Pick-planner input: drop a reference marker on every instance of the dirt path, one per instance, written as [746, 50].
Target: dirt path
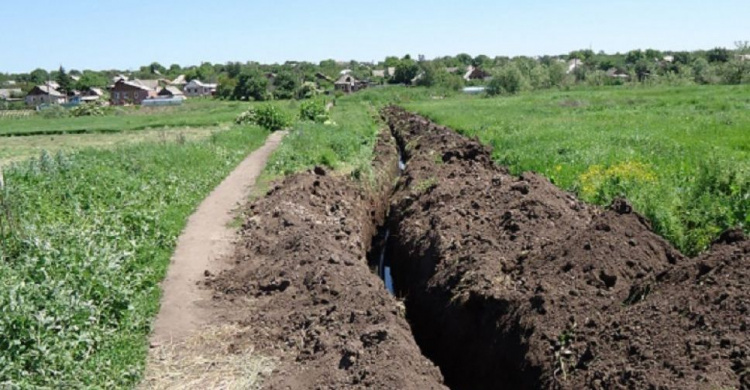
[202, 246]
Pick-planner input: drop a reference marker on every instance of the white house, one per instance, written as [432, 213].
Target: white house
[197, 88]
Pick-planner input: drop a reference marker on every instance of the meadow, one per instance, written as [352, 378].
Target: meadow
[681, 155]
[193, 113]
[85, 239]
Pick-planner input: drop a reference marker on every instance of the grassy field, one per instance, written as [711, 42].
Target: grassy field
[20, 148]
[194, 113]
[680, 154]
[85, 238]
[345, 145]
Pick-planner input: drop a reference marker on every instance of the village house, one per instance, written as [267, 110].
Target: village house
[473, 73]
[347, 84]
[133, 92]
[170, 92]
[198, 88]
[44, 94]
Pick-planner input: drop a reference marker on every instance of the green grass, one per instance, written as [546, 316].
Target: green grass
[681, 155]
[194, 113]
[345, 146]
[85, 240]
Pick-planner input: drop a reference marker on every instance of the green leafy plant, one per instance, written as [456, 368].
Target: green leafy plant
[313, 110]
[271, 117]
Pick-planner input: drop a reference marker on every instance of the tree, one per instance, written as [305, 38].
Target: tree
[89, 80]
[156, 68]
[64, 80]
[391, 61]
[482, 61]
[406, 70]
[557, 72]
[464, 59]
[251, 85]
[286, 85]
[226, 87]
[717, 54]
[429, 75]
[509, 80]
[634, 56]
[39, 76]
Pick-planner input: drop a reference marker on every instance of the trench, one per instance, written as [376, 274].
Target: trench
[378, 257]
[462, 340]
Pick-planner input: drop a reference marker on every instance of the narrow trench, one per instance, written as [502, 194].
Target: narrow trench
[378, 259]
[489, 360]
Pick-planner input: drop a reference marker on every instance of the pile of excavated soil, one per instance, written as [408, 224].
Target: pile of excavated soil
[513, 283]
[302, 290]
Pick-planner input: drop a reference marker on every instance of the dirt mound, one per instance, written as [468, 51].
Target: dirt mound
[511, 282]
[304, 292]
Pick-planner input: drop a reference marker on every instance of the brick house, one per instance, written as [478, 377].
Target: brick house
[133, 92]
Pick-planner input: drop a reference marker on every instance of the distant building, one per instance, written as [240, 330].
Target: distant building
[90, 95]
[617, 74]
[44, 94]
[198, 88]
[473, 73]
[133, 92]
[10, 93]
[574, 64]
[179, 81]
[378, 73]
[171, 91]
[347, 84]
[669, 59]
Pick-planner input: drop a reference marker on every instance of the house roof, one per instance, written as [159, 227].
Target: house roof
[52, 84]
[45, 90]
[172, 90]
[179, 80]
[96, 91]
[202, 84]
[346, 79]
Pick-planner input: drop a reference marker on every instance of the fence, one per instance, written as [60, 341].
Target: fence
[16, 114]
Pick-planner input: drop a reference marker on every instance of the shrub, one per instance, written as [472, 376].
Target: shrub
[312, 110]
[246, 118]
[87, 110]
[509, 80]
[271, 118]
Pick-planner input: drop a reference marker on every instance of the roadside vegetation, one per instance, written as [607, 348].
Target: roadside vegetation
[85, 238]
[680, 154]
[343, 142]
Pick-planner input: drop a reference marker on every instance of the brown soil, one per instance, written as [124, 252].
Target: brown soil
[512, 283]
[315, 304]
[202, 248]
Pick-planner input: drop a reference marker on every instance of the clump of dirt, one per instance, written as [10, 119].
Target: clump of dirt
[303, 292]
[511, 282]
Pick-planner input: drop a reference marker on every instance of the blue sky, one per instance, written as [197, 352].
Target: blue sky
[104, 34]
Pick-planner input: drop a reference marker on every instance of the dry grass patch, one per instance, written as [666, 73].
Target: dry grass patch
[210, 359]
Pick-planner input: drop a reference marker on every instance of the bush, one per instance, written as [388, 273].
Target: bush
[271, 118]
[87, 110]
[508, 80]
[246, 118]
[312, 110]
